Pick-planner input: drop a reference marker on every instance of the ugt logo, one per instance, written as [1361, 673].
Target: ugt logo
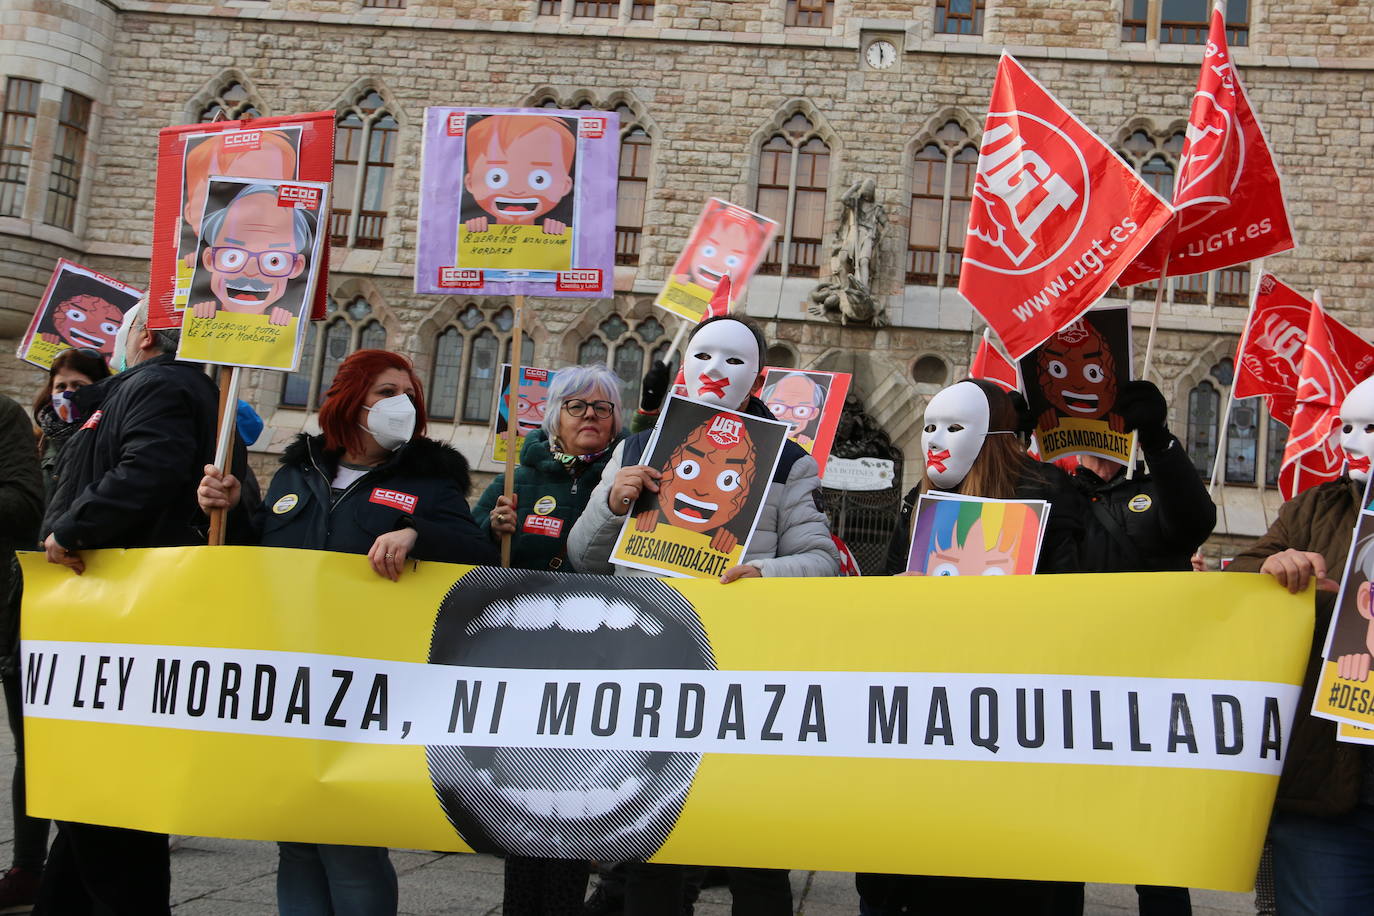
[1028, 172]
[724, 430]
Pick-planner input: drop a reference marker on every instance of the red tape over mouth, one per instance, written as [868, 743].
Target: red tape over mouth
[936, 460]
[714, 386]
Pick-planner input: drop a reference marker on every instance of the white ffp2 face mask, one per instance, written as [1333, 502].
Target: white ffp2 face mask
[1357, 428]
[722, 364]
[391, 421]
[955, 428]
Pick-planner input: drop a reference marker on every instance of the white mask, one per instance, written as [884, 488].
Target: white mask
[1357, 428]
[391, 421]
[956, 425]
[722, 364]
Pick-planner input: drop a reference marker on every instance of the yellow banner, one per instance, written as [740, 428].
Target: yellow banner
[1133, 725]
[1072, 436]
[688, 300]
[511, 247]
[237, 339]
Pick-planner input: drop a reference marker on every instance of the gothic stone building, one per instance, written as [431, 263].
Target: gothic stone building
[779, 104]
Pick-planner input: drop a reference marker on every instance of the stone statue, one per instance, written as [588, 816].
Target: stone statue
[847, 294]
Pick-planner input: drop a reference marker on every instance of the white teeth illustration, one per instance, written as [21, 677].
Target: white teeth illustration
[619, 616]
[574, 613]
[533, 613]
[599, 802]
[568, 803]
[580, 613]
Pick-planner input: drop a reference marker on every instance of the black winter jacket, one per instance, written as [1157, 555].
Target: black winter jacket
[128, 477]
[423, 485]
[1152, 523]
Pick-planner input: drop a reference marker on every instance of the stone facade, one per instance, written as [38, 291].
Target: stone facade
[710, 81]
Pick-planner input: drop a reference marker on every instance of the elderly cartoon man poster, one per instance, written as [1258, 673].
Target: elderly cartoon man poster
[80, 308]
[727, 241]
[532, 397]
[810, 402]
[1071, 382]
[257, 259]
[518, 201]
[716, 466]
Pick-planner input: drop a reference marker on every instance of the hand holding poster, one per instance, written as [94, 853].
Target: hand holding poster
[518, 202]
[811, 402]
[258, 259]
[955, 535]
[533, 397]
[716, 466]
[727, 241]
[80, 308]
[1071, 383]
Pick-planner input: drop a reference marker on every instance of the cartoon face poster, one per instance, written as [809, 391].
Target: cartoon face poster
[1348, 657]
[716, 466]
[258, 258]
[80, 308]
[518, 202]
[533, 397]
[1071, 382]
[961, 536]
[297, 147]
[810, 402]
[727, 240]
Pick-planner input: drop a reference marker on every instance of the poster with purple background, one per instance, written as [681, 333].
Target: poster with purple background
[518, 201]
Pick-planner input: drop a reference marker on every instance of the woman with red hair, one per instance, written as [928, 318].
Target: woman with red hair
[371, 484]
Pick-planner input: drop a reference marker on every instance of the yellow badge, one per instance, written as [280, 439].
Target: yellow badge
[285, 504]
[544, 505]
[1139, 503]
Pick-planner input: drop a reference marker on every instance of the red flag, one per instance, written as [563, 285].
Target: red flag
[1228, 193]
[1335, 360]
[1269, 357]
[1056, 215]
[990, 364]
[720, 300]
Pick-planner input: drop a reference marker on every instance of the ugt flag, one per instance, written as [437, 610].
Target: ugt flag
[1227, 192]
[1336, 359]
[990, 364]
[1056, 215]
[1269, 356]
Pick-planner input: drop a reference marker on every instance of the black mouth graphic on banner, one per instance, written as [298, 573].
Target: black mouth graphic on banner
[608, 805]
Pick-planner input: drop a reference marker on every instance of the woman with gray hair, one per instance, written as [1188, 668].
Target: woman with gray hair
[559, 468]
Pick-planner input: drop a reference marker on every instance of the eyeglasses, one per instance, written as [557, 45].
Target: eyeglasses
[796, 411]
[275, 264]
[578, 407]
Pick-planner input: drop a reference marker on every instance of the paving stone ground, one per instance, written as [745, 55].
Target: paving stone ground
[214, 877]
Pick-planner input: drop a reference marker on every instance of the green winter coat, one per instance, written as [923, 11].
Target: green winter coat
[548, 500]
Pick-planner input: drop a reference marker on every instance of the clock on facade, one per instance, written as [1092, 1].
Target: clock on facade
[880, 54]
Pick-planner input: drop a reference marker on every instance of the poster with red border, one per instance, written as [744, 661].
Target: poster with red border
[809, 401]
[727, 241]
[534, 398]
[290, 147]
[79, 308]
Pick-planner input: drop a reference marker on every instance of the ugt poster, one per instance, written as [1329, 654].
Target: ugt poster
[518, 202]
[1342, 690]
[716, 467]
[810, 403]
[727, 240]
[533, 396]
[962, 536]
[80, 308]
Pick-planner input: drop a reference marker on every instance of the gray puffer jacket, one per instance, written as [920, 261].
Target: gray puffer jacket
[792, 537]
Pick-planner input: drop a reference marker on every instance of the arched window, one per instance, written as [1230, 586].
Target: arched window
[1204, 409]
[632, 190]
[628, 350]
[794, 176]
[64, 182]
[1277, 435]
[1254, 440]
[364, 159]
[344, 331]
[233, 101]
[468, 352]
[941, 195]
[16, 142]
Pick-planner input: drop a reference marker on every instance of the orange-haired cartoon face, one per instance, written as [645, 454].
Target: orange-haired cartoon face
[707, 478]
[519, 168]
[1078, 372]
[725, 247]
[88, 321]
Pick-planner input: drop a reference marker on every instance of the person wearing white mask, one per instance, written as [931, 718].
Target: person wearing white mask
[723, 366]
[370, 484]
[1322, 829]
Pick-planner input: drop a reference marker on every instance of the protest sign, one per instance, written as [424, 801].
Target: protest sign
[79, 308]
[291, 148]
[518, 202]
[1353, 734]
[1071, 381]
[533, 397]
[613, 718]
[258, 258]
[1343, 690]
[716, 466]
[955, 535]
[727, 241]
[1056, 215]
[1269, 355]
[811, 402]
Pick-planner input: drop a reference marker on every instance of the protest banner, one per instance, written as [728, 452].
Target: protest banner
[1228, 193]
[1056, 215]
[291, 148]
[716, 465]
[79, 308]
[954, 535]
[258, 256]
[518, 202]
[811, 402]
[1071, 381]
[532, 396]
[692, 732]
[1334, 360]
[727, 242]
[1269, 355]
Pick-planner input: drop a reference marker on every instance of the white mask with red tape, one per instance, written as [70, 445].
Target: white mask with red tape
[722, 364]
[956, 426]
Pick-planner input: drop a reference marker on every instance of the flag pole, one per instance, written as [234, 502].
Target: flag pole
[1231, 395]
[513, 416]
[1149, 355]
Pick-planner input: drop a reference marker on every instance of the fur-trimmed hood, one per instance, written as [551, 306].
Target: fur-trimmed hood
[420, 457]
